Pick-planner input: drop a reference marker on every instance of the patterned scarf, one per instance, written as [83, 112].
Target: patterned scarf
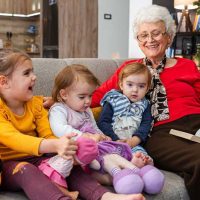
[157, 92]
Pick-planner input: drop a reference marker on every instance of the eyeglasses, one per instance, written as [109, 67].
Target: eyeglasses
[156, 35]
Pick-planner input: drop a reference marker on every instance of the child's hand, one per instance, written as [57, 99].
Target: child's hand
[122, 140]
[95, 137]
[130, 142]
[134, 141]
[105, 138]
[66, 147]
[47, 102]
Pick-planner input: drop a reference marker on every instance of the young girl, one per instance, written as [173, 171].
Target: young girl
[126, 114]
[26, 136]
[87, 151]
[72, 93]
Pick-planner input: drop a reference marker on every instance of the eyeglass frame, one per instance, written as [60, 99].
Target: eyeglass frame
[153, 36]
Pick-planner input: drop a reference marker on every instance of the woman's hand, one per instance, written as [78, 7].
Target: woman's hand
[48, 102]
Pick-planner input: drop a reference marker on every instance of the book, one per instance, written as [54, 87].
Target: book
[185, 135]
[196, 26]
[195, 23]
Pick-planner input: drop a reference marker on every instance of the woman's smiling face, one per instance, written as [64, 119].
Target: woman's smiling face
[155, 40]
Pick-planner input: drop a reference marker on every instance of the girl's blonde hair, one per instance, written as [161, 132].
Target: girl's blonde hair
[135, 68]
[70, 74]
[9, 59]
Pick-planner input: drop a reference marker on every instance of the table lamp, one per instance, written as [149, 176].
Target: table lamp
[185, 6]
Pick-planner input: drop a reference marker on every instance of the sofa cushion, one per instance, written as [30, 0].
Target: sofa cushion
[96, 112]
[101, 68]
[47, 69]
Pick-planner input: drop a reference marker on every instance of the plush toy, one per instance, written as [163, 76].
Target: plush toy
[153, 179]
[148, 179]
[87, 151]
[127, 181]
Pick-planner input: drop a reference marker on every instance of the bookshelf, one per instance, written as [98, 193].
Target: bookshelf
[185, 44]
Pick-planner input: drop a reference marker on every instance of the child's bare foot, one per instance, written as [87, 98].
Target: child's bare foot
[140, 160]
[112, 196]
[72, 194]
[149, 160]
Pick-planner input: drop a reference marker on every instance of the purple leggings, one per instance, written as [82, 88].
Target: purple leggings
[37, 186]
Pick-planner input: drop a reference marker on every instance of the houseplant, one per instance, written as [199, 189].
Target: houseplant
[197, 56]
[197, 3]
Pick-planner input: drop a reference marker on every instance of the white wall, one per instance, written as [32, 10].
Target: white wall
[115, 39]
[133, 48]
[113, 34]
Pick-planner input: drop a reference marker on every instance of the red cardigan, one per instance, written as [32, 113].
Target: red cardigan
[182, 83]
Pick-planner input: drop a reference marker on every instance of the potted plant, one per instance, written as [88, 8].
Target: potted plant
[197, 3]
[197, 56]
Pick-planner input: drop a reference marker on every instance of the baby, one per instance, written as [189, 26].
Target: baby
[72, 93]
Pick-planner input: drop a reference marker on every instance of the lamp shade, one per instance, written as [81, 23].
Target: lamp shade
[180, 4]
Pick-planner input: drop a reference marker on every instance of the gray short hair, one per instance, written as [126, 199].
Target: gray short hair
[154, 13]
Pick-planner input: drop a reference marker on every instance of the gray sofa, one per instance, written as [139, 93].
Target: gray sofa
[46, 69]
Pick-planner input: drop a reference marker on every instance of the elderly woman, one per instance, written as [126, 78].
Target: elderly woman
[175, 97]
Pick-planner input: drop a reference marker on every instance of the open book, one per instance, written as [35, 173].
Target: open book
[185, 135]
